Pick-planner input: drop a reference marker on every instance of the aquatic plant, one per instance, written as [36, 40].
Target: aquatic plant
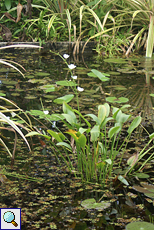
[139, 225]
[90, 143]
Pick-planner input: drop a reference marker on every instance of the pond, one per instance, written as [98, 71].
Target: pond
[50, 197]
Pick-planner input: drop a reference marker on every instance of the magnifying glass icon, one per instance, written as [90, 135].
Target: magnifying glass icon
[9, 217]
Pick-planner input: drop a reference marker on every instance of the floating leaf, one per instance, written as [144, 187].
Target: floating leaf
[139, 225]
[66, 83]
[100, 75]
[42, 74]
[115, 60]
[66, 98]
[117, 100]
[141, 175]
[91, 204]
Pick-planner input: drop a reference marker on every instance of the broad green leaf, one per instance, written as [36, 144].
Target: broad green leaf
[82, 141]
[91, 204]
[64, 145]
[105, 121]
[91, 74]
[8, 4]
[68, 110]
[115, 112]
[69, 119]
[94, 117]
[55, 135]
[123, 180]
[107, 109]
[95, 131]
[82, 130]
[101, 114]
[135, 123]
[141, 175]
[117, 100]
[122, 117]
[56, 117]
[66, 98]
[101, 76]
[66, 83]
[113, 131]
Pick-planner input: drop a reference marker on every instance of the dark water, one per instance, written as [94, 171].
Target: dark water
[54, 202]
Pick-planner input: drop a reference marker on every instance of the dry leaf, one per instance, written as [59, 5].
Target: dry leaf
[19, 10]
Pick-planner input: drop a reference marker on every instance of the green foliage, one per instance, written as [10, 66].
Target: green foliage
[92, 144]
[139, 15]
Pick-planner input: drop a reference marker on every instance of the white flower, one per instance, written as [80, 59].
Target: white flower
[74, 77]
[66, 56]
[71, 66]
[46, 112]
[80, 89]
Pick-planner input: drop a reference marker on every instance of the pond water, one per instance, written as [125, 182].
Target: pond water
[53, 201]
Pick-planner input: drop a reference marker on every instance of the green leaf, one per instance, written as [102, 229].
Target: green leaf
[55, 135]
[82, 141]
[141, 175]
[101, 76]
[66, 98]
[117, 100]
[123, 180]
[122, 117]
[95, 131]
[135, 123]
[94, 117]
[66, 83]
[82, 130]
[113, 130]
[68, 110]
[69, 119]
[8, 4]
[101, 113]
[91, 204]
[65, 145]
[151, 136]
